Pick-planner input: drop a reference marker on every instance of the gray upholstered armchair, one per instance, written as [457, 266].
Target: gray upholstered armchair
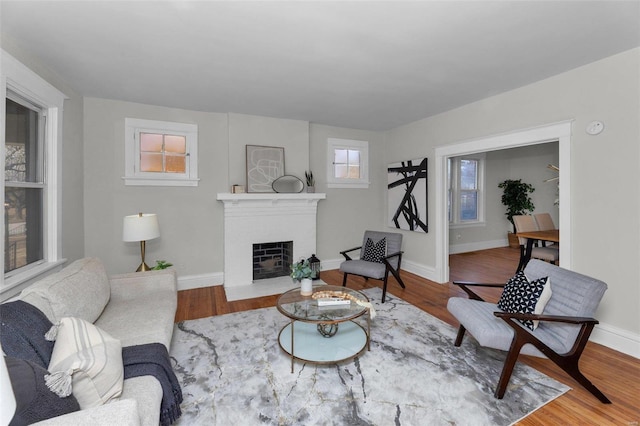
[377, 259]
[564, 325]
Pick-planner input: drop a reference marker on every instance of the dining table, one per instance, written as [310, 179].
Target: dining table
[551, 235]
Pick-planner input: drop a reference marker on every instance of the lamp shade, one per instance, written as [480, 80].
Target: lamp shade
[140, 227]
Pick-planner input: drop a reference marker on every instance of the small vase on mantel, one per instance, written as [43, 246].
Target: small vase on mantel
[306, 287]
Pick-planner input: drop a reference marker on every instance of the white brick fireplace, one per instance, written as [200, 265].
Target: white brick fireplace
[257, 218]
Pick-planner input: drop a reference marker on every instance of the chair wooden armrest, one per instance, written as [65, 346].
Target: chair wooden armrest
[549, 318]
[389, 256]
[472, 295]
[346, 256]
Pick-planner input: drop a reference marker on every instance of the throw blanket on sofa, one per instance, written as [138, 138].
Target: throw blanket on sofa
[22, 330]
[153, 360]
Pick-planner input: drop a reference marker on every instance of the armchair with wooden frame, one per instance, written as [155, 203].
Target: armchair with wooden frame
[563, 331]
[379, 270]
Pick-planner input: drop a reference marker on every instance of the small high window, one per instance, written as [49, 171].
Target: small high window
[348, 163]
[161, 153]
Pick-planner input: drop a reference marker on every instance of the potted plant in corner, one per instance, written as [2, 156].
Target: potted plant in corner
[301, 272]
[515, 196]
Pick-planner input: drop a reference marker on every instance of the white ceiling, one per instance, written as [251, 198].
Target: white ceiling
[356, 64]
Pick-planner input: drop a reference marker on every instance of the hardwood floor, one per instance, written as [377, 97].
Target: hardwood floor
[616, 374]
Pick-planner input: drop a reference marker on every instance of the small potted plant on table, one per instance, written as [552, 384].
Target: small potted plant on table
[301, 272]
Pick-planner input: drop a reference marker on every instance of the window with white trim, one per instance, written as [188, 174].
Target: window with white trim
[466, 190]
[348, 163]
[161, 153]
[30, 129]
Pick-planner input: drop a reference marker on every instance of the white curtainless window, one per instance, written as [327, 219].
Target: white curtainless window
[348, 163]
[161, 153]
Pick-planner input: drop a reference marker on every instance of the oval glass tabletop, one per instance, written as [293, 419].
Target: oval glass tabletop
[305, 308]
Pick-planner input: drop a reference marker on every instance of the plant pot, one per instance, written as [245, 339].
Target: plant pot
[311, 189]
[513, 240]
[306, 287]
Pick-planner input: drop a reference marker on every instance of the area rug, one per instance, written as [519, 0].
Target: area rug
[233, 372]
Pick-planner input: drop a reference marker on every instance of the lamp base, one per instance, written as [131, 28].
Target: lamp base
[143, 267]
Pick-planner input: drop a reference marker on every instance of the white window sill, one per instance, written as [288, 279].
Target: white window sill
[357, 185]
[136, 181]
[467, 225]
[29, 274]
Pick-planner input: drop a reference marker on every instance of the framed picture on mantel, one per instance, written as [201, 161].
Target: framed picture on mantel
[264, 165]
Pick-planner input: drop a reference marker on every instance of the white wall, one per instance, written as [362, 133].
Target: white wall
[190, 218]
[605, 178]
[347, 213]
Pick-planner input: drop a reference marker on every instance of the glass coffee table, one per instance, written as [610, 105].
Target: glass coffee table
[323, 334]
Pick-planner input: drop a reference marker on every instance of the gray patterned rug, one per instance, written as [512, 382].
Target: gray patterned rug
[233, 372]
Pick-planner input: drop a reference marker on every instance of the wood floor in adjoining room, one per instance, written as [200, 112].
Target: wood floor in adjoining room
[616, 374]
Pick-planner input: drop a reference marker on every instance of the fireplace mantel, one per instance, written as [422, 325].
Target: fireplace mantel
[254, 218]
[270, 196]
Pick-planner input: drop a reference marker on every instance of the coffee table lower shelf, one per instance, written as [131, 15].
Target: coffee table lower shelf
[310, 346]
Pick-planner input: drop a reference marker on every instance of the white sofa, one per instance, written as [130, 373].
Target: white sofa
[136, 308]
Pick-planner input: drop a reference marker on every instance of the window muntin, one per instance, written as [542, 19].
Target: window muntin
[161, 153]
[348, 163]
[24, 184]
[465, 196]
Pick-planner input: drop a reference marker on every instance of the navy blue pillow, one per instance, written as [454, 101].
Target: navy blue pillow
[34, 401]
[22, 330]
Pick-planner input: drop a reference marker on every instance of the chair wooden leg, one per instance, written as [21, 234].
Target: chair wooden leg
[384, 287]
[460, 335]
[344, 279]
[575, 372]
[509, 364]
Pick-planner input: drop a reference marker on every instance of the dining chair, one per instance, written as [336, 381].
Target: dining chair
[527, 223]
[545, 223]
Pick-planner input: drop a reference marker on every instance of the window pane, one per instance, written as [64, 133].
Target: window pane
[150, 142]
[354, 157]
[354, 172]
[468, 205]
[22, 153]
[340, 156]
[150, 162]
[175, 163]
[177, 144]
[341, 171]
[23, 227]
[468, 174]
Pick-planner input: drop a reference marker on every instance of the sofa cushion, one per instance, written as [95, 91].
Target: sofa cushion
[92, 357]
[80, 290]
[34, 401]
[22, 330]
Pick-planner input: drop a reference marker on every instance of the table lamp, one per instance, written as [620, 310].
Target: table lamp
[141, 227]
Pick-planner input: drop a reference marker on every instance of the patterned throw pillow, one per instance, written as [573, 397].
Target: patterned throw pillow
[374, 252]
[91, 358]
[525, 297]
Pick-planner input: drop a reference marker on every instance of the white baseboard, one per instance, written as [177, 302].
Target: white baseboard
[481, 245]
[198, 281]
[617, 339]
